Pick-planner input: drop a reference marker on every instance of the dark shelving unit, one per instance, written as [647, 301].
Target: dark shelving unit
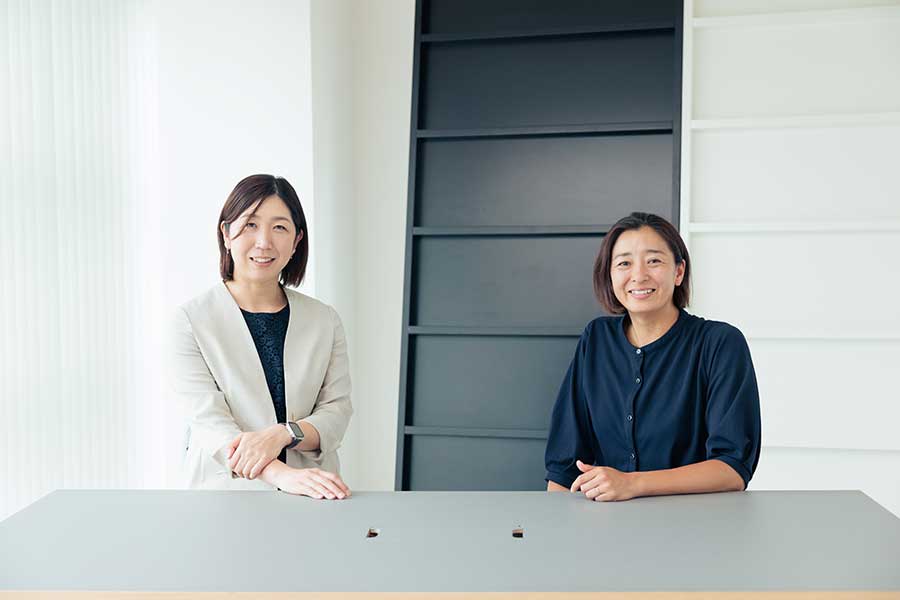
[535, 124]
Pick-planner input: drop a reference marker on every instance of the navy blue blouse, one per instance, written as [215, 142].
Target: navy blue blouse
[269, 331]
[687, 397]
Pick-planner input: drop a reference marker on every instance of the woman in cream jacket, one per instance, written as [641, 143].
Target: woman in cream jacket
[261, 369]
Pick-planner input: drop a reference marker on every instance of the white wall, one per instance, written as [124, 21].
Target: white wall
[384, 92]
[794, 178]
[780, 167]
[129, 124]
[333, 232]
[234, 99]
[362, 76]
[784, 163]
[789, 203]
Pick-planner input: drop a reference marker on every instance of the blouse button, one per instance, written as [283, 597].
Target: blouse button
[629, 417]
[632, 456]
[638, 351]
[638, 380]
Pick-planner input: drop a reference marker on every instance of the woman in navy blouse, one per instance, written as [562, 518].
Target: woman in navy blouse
[656, 401]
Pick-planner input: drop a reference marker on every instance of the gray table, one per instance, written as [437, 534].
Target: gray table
[461, 541]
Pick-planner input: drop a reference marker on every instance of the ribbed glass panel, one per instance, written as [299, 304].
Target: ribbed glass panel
[77, 134]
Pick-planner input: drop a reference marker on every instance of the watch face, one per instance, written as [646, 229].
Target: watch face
[295, 430]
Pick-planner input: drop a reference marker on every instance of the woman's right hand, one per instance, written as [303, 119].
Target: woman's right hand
[314, 483]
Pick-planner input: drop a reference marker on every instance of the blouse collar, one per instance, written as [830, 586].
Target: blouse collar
[667, 337]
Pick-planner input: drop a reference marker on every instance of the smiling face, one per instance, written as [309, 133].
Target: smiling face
[644, 273]
[265, 245]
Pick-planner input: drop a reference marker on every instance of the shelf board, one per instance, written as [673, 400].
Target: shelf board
[807, 336]
[495, 331]
[531, 434]
[548, 130]
[523, 230]
[882, 226]
[869, 14]
[798, 121]
[549, 32]
[786, 445]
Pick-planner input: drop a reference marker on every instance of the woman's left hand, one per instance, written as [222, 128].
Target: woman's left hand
[251, 451]
[604, 484]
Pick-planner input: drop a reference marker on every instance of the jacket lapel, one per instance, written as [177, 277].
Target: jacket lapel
[291, 353]
[305, 357]
[247, 373]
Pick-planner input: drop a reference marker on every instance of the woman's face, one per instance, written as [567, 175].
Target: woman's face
[643, 271]
[265, 246]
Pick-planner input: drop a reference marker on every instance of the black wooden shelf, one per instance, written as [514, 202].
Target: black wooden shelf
[548, 130]
[488, 158]
[530, 434]
[645, 26]
[494, 331]
[515, 230]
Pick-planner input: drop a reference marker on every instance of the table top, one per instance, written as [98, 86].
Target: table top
[217, 541]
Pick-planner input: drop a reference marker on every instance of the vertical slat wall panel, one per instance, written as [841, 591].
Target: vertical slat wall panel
[69, 296]
[534, 127]
[792, 219]
[7, 321]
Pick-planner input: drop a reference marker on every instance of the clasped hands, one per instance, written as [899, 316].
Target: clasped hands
[604, 484]
[252, 452]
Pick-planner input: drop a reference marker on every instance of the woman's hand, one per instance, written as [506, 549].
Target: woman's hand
[604, 483]
[314, 483]
[251, 451]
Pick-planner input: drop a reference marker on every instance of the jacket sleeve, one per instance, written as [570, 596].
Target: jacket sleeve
[331, 413]
[204, 405]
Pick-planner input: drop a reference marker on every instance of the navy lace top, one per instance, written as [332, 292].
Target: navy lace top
[268, 331]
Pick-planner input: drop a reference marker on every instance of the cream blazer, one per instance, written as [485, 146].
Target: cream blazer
[220, 384]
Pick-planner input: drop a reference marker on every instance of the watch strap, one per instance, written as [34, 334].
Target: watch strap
[296, 434]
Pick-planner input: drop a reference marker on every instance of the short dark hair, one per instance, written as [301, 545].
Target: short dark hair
[250, 191]
[603, 288]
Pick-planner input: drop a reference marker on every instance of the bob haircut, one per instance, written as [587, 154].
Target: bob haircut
[602, 266]
[250, 191]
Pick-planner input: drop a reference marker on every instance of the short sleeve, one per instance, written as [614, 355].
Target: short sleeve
[569, 438]
[732, 412]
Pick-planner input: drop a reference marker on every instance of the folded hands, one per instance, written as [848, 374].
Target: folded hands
[252, 453]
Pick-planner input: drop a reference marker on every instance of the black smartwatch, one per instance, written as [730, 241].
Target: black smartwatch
[296, 434]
